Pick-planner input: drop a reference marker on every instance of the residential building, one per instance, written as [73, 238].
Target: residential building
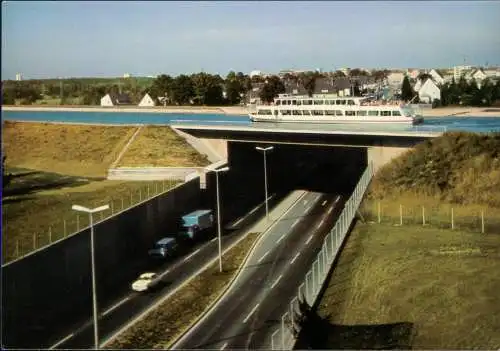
[395, 78]
[413, 73]
[436, 77]
[458, 71]
[147, 101]
[19, 77]
[429, 91]
[115, 99]
[126, 75]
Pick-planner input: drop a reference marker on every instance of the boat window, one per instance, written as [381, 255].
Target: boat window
[350, 102]
[349, 113]
[337, 102]
[309, 102]
[264, 112]
[361, 113]
[299, 102]
[330, 112]
[372, 113]
[339, 113]
[385, 113]
[294, 102]
[317, 113]
[286, 113]
[278, 102]
[296, 113]
[396, 113]
[342, 102]
[275, 112]
[318, 102]
[306, 113]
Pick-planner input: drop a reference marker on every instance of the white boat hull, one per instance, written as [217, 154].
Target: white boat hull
[338, 120]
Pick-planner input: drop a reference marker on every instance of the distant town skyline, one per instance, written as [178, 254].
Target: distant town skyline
[105, 39]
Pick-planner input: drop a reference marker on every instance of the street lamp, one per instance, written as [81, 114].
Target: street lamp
[94, 296]
[225, 169]
[264, 150]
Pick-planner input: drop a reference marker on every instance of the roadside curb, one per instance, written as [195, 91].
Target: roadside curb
[160, 301]
[258, 240]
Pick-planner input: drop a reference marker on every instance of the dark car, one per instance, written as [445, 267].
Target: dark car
[166, 247]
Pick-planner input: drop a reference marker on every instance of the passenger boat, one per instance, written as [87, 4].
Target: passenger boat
[335, 109]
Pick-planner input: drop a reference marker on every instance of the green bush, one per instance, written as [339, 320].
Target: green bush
[459, 167]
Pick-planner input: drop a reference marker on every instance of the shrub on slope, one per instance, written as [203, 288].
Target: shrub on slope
[458, 166]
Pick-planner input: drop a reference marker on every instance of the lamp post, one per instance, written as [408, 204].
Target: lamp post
[94, 295]
[264, 150]
[225, 169]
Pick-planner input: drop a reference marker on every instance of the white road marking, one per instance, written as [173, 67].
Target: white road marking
[138, 317]
[276, 281]
[320, 223]
[251, 312]
[296, 256]
[223, 346]
[116, 305]
[213, 240]
[308, 240]
[62, 341]
[252, 211]
[281, 238]
[305, 202]
[333, 205]
[308, 208]
[296, 222]
[260, 259]
[194, 253]
[324, 203]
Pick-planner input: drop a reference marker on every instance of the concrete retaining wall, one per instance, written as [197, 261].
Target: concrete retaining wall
[51, 289]
[153, 173]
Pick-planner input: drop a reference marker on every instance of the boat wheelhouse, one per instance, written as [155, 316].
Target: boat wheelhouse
[335, 109]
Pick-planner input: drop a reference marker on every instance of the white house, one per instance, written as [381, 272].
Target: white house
[147, 101]
[479, 75]
[107, 100]
[413, 73]
[429, 92]
[438, 79]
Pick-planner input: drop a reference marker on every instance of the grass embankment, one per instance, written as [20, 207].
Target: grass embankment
[160, 328]
[160, 146]
[57, 165]
[78, 150]
[459, 168]
[36, 203]
[420, 288]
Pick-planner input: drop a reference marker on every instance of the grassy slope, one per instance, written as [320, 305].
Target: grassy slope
[443, 284]
[160, 146]
[61, 166]
[79, 150]
[35, 201]
[461, 168]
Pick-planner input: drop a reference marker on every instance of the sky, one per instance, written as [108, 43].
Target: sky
[49, 39]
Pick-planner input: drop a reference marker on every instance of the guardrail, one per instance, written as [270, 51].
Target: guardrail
[284, 337]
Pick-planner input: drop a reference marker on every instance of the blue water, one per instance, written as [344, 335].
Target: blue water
[440, 124]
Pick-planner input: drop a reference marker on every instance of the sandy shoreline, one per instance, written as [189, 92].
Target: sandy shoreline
[228, 110]
[241, 110]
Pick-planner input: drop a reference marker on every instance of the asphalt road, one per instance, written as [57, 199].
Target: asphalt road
[250, 312]
[130, 304]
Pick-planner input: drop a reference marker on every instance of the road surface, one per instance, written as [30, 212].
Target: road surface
[251, 311]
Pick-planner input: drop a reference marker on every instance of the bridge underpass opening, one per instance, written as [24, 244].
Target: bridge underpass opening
[325, 169]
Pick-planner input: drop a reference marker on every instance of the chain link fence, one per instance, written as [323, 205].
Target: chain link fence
[78, 222]
[284, 337]
[445, 216]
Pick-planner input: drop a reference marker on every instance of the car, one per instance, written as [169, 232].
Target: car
[146, 281]
[166, 247]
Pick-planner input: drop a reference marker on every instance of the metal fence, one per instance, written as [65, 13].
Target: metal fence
[445, 216]
[77, 222]
[284, 337]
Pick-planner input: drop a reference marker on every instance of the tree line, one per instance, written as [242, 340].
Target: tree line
[463, 92]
